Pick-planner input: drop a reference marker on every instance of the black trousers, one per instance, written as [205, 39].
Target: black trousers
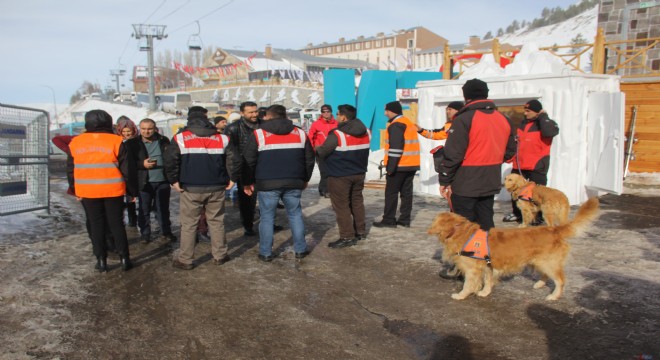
[475, 209]
[537, 177]
[395, 184]
[131, 209]
[323, 184]
[246, 206]
[109, 241]
[103, 213]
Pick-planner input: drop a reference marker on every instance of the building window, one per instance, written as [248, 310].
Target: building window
[328, 50]
[388, 42]
[338, 48]
[367, 45]
[358, 46]
[410, 43]
[347, 47]
[378, 43]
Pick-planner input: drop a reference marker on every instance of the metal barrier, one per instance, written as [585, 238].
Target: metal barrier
[24, 182]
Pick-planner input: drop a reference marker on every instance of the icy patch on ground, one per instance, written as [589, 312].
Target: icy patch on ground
[642, 184]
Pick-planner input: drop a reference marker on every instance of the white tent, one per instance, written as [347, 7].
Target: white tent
[586, 156]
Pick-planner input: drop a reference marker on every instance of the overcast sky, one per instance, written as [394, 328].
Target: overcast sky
[61, 44]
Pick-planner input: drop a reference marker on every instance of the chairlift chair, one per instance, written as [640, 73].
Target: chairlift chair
[144, 44]
[194, 40]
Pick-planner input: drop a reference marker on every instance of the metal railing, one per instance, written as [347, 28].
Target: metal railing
[24, 155]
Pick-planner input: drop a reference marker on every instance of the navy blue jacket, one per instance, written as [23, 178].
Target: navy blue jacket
[289, 168]
[203, 169]
[346, 162]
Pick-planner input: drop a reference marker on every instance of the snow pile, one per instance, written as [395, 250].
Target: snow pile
[532, 61]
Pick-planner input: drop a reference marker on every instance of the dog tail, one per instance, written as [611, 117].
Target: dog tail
[585, 215]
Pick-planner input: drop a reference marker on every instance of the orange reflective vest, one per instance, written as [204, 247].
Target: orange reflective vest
[477, 246]
[410, 154]
[436, 134]
[96, 168]
[526, 192]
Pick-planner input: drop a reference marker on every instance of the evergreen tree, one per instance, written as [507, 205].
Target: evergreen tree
[488, 36]
[578, 39]
[500, 32]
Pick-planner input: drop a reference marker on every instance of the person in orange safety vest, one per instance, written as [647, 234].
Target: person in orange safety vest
[102, 175]
[441, 134]
[401, 162]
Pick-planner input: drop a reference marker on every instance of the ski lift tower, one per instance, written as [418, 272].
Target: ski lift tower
[149, 32]
[116, 73]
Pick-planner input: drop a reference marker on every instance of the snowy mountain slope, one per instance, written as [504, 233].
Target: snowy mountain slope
[560, 34]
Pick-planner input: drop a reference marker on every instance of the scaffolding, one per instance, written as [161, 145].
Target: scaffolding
[24, 155]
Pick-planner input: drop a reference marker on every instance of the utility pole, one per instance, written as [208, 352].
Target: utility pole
[150, 32]
[116, 74]
[57, 123]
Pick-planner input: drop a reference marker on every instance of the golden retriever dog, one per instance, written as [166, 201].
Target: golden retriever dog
[553, 203]
[544, 248]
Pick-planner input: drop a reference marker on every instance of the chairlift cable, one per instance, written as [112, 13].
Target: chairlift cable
[155, 11]
[203, 17]
[173, 11]
[125, 47]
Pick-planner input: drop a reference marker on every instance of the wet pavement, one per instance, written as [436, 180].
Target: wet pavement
[381, 299]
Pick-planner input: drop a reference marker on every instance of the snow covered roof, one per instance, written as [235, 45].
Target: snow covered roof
[289, 59]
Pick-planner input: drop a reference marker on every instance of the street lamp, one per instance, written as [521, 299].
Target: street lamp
[54, 105]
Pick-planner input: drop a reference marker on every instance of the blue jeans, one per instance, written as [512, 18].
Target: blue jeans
[267, 205]
[158, 193]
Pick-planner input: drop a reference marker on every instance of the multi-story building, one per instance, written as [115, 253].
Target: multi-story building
[227, 66]
[628, 21]
[387, 51]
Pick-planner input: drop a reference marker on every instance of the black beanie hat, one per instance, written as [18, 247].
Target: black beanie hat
[534, 105]
[98, 121]
[394, 107]
[197, 115]
[456, 105]
[475, 89]
[198, 108]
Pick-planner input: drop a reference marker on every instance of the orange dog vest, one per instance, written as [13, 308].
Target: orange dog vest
[477, 246]
[525, 193]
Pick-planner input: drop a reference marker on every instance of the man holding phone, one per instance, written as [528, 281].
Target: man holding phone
[148, 150]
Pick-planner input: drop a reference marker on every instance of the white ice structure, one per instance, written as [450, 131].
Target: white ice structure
[587, 155]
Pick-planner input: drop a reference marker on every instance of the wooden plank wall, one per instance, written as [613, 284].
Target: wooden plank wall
[646, 96]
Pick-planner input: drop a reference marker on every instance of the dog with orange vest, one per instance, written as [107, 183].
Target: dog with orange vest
[532, 198]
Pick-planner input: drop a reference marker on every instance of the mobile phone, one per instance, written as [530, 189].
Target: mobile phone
[152, 161]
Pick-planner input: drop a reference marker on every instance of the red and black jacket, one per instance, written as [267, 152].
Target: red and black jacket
[534, 141]
[480, 140]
